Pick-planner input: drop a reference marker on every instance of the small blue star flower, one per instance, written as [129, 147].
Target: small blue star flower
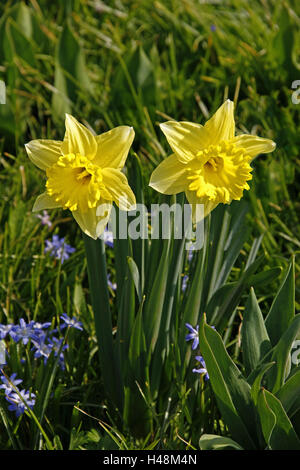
[202, 369]
[23, 331]
[58, 349]
[17, 404]
[194, 335]
[4, 330]
[184, 282]
[71, 322]
[112, 285]
[45, 218]
[41, 348]
[8, 385]
[58, 248]
[108, 237]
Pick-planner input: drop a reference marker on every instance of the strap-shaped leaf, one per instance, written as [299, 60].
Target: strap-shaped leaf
[214, 442]
[281, 355]
[255, 340]
[289, 394]
[230, 387]
[277, 428]
[97, 274]
[283, 308]
[133, 269]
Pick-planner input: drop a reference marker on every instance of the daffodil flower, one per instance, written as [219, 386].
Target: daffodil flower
[210, 164]
[84, 173]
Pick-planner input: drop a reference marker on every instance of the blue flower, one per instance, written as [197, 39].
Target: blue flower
[184, 282]
[58, 248]
[9, 384]
[71, 322]
[39, 328]
[45, 218]
[4, 330]
[202, 369]
[58, 349]
[108, 237]
[194, 335]
[23, 331]
[42, 349]
[112, 285]
[17, 404]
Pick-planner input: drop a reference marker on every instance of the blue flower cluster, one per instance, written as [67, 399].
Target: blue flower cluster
[194, 335]
[19, 400]
[58, 248]
[44, 342]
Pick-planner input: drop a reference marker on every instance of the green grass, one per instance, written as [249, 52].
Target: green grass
[135, 63]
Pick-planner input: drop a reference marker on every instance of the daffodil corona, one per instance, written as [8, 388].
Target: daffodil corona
[84, 173]
[210, 164]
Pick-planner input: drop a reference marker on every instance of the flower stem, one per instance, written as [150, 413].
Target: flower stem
[97, 274]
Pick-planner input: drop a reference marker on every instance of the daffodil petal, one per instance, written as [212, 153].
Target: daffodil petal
[113, 147]
[43, 152]
[199, 213]
[44, 201]
[221, 125]
[254, 145]
[169, 177]
[185, 138]
[90, 223]
[117, 186]
[78, 139]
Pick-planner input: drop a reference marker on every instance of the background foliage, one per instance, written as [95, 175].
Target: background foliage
[141, 63]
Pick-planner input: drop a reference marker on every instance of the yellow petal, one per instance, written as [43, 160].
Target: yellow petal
[78, 139]
[44, 201]
[221, 125]
[254, 145]
[199, 213]
[117, 186]
[90, 223]
[169, 177]
[185, 138]
[113, 147]
[43, 153]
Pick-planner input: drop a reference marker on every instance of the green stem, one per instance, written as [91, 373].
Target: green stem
[97, 274]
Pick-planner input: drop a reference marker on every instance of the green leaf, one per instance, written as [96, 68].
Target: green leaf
[97, 275]
[230, 387]
[276, 426]
[214, 442]
[154, 303]
[219, 316]
[136, 412]
[255, 340]
[281, 355]
[257, 380]
[70, 73]
[133, 269]
[289, 395]
[283, 308]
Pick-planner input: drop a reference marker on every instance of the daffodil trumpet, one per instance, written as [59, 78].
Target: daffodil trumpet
[210, 164]
[84, 173]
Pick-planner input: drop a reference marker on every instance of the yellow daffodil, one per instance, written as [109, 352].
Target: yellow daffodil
[210, 164]
[84, 173]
